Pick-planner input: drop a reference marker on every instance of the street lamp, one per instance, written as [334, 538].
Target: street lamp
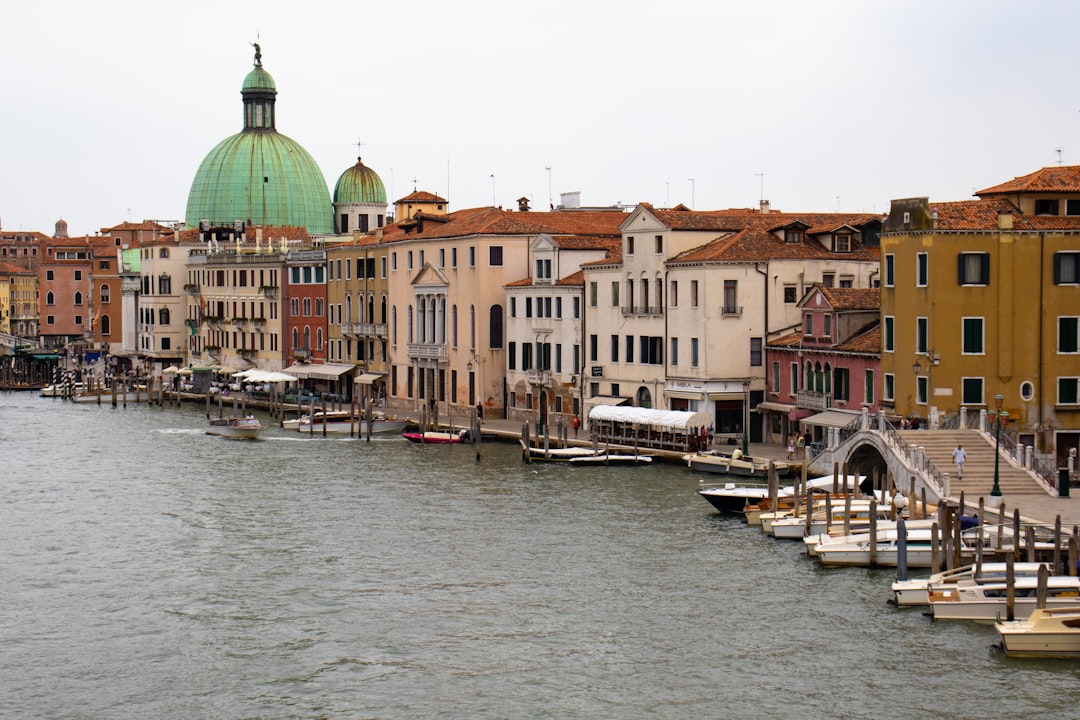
[1000, 416]
[746, 418]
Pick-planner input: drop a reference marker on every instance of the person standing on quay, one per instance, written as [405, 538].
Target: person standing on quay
[959, 457]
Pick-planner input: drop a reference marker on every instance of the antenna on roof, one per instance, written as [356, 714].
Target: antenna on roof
[1059, 151]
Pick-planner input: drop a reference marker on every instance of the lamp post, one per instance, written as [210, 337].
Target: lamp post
[1000, 416]
[746, 418]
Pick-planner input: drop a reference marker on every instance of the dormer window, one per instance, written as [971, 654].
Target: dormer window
[842, 243]
[793, 235]
[1046, 206]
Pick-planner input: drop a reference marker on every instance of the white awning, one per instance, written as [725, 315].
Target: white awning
[605, 400]
[727, 396]
[665, 419]
[775, 407]
[685, 394]
[832, 418]
[368, 378]
[299, 370]
[328, 371]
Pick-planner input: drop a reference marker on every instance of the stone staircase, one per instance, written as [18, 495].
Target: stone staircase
[978, 477]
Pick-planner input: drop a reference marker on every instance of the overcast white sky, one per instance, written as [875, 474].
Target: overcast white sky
[109, 107]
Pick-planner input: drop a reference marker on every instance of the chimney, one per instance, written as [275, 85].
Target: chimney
[764, 207]
[1005, 220]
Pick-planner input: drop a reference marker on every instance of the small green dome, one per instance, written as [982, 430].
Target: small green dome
[259, 80]
[359, 184]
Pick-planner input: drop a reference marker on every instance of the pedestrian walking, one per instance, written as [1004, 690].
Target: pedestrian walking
[959, 457]
[800, 447]
[790, 446]
[576, 422]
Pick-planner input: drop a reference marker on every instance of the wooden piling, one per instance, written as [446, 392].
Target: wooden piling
[1010, 588]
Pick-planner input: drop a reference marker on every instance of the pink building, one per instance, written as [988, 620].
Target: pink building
[824, 374]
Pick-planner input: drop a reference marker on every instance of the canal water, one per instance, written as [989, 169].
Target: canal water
[152, 571]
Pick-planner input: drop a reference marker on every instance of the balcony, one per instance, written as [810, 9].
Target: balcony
[192, 288]
[639, 310]
[246, 352]
[426, 351]
[812, 400]
[540, 377]
[375, 330]
[348, 329]
[731, 311]
[269, 291]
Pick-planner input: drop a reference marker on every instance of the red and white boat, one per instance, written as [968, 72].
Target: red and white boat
[437, 437]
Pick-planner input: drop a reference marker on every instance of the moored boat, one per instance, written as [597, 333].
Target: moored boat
[736, 463]
[916, 591]
[344, 422]
[241, 428]
[437, 437]
[1047, 632]
[985, 602]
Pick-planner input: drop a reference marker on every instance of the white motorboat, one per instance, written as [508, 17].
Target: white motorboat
[916, 591]
[611, 459]
[855, 550]
[240, 428]
[1049, 632]
[735, 463]
[63, 390]
[734, 497]
[105, 395]
[985, 602]
[856, 518]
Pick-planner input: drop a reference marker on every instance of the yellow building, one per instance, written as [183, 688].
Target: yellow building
[982, 297]
[357, 296]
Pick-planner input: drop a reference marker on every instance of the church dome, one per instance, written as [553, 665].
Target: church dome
[359, 184]
[259, 176]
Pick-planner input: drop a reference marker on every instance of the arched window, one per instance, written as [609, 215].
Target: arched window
[828, 378]
[164, 285]
[659, 299]
[393, 325]
[495, 327]
[163, 316]
[472, 327]
[104, 293]
[370, 309]
[78, 298]
[307, 307]
[307, 337]
[348, 308]
[50, 299]
[409, 329]
[106, 325]
[319, 310]
[383, 321]
[294, 307]
[318, 339]
[295, 338]
[644, 293]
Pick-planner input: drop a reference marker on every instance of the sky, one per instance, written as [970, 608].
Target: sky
[834, 105]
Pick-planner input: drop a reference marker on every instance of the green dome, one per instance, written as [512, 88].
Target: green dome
[359, 184]
[259, 176]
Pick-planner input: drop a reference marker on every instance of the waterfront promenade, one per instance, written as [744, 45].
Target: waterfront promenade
[1037, 508]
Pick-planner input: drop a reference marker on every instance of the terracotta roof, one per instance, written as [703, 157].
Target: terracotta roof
[753, 237]
[145, 225]
[7, 268]
[983, 215]
[421, 196]
[1061, 178]
[851, 298]
[493, 221]
[865, 342]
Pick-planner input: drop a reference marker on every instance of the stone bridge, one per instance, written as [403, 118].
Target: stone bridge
[924, 457]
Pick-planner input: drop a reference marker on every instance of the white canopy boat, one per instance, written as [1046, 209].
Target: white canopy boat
[1049, 632]
[916, 591]
[344, 422]
[854, 550]
[985, 602]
